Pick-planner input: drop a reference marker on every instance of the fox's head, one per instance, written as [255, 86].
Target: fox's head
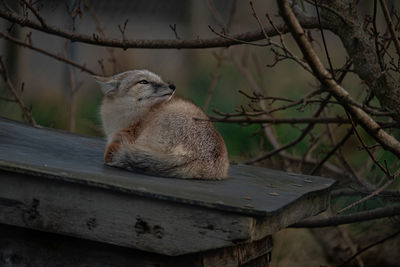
[137, 87]
[129, 96]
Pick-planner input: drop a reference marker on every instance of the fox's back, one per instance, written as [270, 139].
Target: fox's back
[181, 128]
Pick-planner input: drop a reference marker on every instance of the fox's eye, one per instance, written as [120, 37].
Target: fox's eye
[143, 82]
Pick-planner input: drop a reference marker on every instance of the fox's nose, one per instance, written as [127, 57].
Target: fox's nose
[172, 87]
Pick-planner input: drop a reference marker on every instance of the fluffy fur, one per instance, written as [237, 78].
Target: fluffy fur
[150, 131]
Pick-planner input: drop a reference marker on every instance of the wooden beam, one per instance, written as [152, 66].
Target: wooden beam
[23, 247]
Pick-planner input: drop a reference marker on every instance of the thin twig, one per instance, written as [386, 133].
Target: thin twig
[319, 120]
[36, 13]
[356, 217]
[173, 28]
[344, 162]
[261, 97]
[122, 30]
[13, 90]
[332, 152]
[391, 26]
[45, 52]
[214, 78]
[221, 53]
[214, 12]
[287, 53]
[369, 246]
[268, 132]
[354, 192]
[367, 149]
[298, 139]
[259, 22]
[324, 41]
[100, 29]
[373, 194]
[376, 41]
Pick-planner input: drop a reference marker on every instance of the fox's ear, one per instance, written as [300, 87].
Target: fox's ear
[109, 85]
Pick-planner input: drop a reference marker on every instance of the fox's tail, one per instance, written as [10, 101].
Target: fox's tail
[150, 162]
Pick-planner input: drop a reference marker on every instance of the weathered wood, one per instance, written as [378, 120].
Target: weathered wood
[117, 218]
[23, 247]
[56, 182]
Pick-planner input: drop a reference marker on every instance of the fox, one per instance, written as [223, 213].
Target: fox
[151, 131]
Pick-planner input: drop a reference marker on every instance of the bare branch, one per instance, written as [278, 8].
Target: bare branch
[233, 39]
[345, 163]
[216, 15]
[303, 134]
[369, 246]
[159, 44]
[332, 152]
[221, 53]
[36, 13]
[272, 120]
[110, 50]
[383, 169]
[392, 30]
[323, 40]
[122, 30]
[259, 22]
[371, 195]
[359, 115]
[343, 20]
[45, 52]
[13, 90]
[355, 192]
[361, 216]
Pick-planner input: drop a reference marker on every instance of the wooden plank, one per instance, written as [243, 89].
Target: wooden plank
[117, 218]
[22, 247]
[123, 219]
[56, 182]
[77, 159]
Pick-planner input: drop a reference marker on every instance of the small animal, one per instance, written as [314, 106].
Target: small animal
[148, 130]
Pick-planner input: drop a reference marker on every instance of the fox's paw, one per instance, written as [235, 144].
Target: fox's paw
[110, 151]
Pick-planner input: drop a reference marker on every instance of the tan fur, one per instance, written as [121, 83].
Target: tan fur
[148, 131]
